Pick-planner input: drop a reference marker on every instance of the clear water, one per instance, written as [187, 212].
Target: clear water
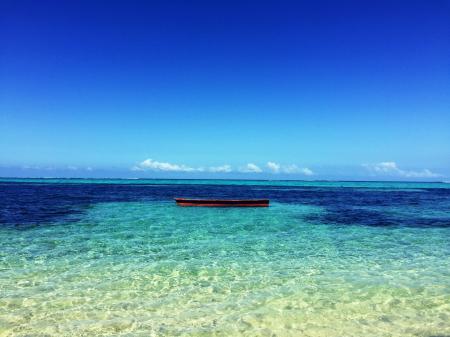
[113, 258]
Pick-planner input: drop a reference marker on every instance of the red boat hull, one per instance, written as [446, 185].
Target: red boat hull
[222, 202]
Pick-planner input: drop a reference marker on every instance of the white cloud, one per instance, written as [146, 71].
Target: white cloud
[292, 168]
[153, 165]
[250, 168]
[274, 167]
[307, 172]
[391, 168]
[289, 169]
[221, 169]
[295, 169]
[383, 167]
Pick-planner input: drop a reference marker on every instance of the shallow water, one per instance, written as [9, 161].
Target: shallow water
[116, 259]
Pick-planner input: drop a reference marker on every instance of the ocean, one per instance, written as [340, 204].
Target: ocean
[82, 257]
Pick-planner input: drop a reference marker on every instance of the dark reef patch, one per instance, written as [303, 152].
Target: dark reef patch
[28, 204]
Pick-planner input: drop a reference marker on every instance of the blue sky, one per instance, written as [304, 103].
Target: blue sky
[247, 89]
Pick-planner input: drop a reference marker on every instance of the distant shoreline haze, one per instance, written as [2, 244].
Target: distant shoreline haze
[236, 182]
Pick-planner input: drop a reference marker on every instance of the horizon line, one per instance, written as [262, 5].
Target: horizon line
[228, 179]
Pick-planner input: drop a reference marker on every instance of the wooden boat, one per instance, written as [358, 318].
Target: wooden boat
[222, 202]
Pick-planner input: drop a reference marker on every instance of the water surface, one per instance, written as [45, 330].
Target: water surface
[119, 258]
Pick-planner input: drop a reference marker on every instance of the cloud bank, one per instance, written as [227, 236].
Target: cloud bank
[288, 169]
[55, 168]
[221, 169]
[390, 168]
[250, 168]
[154, 165]
[272, 167]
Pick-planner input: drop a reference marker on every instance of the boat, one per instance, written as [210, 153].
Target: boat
[223, 202]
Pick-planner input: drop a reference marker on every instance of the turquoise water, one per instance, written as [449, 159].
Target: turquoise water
[126, 261]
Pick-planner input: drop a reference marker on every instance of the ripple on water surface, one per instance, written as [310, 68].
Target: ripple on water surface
[151, 268]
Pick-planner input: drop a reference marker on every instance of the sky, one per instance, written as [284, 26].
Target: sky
[355, 90]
